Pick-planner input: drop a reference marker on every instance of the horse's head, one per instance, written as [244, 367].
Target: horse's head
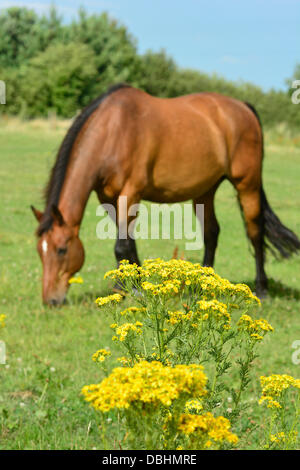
[61, 253]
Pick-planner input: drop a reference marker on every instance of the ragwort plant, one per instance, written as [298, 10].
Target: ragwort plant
[183, 316]
[281, 395]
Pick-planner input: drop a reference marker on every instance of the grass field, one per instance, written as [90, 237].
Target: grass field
[49, 350]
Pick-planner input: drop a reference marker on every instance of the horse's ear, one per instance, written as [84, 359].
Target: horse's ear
[57, 215]
[37, 214]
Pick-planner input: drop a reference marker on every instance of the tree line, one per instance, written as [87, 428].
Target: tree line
[48, 65]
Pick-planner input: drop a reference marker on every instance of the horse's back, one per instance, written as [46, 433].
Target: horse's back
[175, 149]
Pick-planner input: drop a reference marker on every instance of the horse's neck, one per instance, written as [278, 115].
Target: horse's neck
[75, 193]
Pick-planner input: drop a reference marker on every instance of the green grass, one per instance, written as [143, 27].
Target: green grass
[49, 350]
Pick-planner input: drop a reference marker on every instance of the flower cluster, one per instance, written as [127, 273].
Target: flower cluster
[274, 386]
[178, 316]
[165, 288]
[173, 275]
[100, 355]
[256, 328]
[281, 438]
[215, 309]
[76, 280]
[193, 406]
[132, 310]
[123, 330]
[207, 427]
[125, 271]
[146, 382]
[110, 298]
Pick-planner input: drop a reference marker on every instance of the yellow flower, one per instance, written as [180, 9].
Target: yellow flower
[125, 271]
[131, 310]
[173, 275]
[255, 328]
[2, 320]
[275, 384]
[256, 336]
[76, 280]
[193, 406]
[178, 316]
[147, 382]
[123, 330]
[273, 387]
[100, 355]
[165, 288]
[207, 426]
[214, 309]
[280, 436]
[110, 298]
[270, 401]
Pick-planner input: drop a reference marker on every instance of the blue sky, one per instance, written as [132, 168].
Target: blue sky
[249, 40]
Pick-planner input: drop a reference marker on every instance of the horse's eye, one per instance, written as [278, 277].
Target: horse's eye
[61, 251]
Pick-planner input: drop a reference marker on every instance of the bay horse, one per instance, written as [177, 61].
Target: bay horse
[166, 150]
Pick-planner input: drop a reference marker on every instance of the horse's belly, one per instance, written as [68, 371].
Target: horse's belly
[183, 177]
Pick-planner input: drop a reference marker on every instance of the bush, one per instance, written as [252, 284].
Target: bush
[60, 78]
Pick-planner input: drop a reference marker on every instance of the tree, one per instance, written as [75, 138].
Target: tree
[156, 73]
[23, 34]
[61, 78]
[113, 46]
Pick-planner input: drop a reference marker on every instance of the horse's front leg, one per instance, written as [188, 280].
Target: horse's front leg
[127, 212]
[211, 226]
[126, 249]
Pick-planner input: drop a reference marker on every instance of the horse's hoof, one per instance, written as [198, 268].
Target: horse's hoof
[261, 288]
[262, 294]
[136, 292]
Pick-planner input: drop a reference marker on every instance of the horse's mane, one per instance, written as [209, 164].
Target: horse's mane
[58, 172]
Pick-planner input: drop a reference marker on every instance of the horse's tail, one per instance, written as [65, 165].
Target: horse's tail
[281, 240]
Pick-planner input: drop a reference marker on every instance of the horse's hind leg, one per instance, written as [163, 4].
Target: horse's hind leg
[250, 201]
[211, 226]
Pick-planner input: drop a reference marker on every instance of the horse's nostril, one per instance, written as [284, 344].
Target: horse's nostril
[53, 302]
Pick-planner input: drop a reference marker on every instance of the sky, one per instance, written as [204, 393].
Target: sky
[250, 40]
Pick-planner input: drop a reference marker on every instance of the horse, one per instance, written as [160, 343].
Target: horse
[167, 150]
